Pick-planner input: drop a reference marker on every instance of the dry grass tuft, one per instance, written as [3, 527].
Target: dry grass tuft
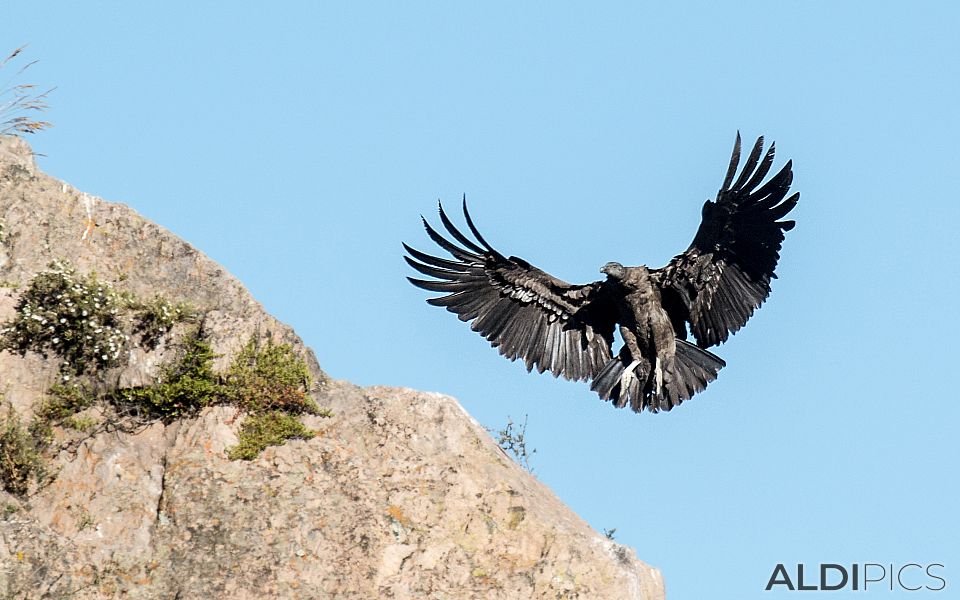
[20, 101]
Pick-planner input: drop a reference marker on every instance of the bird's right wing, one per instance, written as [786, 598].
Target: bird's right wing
[522, 311]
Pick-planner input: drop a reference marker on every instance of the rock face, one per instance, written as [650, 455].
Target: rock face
[400, 495]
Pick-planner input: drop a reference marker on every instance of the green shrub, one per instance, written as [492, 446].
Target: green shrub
[270, 377]
[184, 387]
[65, 400]
[7, 509]
[75, 317]
[81, 424]
[155, 318]
[60, 406]
[271, 428]
[20, 455]
[271, 383]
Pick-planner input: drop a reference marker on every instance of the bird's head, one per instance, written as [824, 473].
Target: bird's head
[613, 270]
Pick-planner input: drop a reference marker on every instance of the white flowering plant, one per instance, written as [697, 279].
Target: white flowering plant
[75, 317]
[154, 318]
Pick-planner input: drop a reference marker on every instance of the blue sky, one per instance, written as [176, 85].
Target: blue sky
[298, 144]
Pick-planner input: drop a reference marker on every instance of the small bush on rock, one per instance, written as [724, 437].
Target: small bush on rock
[271, 428]
[156, 317]
[63, 401]
[20, 455]
[184, 387]
[270, 382]
[270, 377]
[75, 317]
[513, 439]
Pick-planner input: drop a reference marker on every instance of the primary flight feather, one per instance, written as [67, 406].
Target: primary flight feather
[712, 288]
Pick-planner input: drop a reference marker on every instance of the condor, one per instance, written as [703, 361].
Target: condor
[709, 291]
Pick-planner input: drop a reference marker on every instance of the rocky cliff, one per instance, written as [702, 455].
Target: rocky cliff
[396, 493]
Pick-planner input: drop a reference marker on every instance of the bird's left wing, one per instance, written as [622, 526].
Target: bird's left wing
[522, 311]
[725, 274]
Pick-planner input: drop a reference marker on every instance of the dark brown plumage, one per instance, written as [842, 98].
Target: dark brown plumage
[713, 288]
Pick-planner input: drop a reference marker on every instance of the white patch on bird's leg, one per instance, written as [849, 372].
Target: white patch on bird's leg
[625, 376]
[658, 375]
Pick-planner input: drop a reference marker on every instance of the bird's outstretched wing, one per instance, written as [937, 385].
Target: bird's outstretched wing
[725, 273]
[524, 312]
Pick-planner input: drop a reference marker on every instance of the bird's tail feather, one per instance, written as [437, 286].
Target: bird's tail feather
[627, 382]
[694, 368]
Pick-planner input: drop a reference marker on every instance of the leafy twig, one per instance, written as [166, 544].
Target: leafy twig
[513, 439]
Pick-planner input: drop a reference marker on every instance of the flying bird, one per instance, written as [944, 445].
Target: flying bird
[708, 292]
